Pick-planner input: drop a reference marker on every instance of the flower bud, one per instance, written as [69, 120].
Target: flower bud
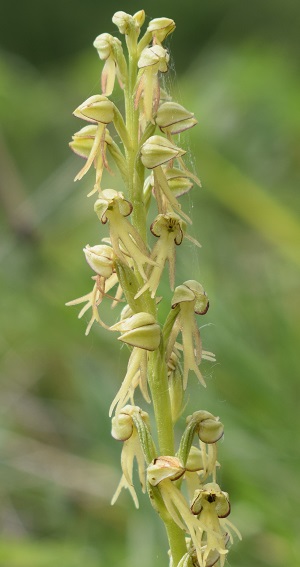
[82, 141]
[211, 494]
[174, 118]
[127, 23]
[208, 427]
[123, 21]
[155, 55]
[164, 467]
[105, 43]
[158, 150]
[140, 330]
[139, 17]
[194, 462]
[97, 108]
[178, 181]
[147, 337]
[100, 258]
[121, 426]
[161, 28]
[191, 291]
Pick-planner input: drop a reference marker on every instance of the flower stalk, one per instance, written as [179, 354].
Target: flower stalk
[128, 272]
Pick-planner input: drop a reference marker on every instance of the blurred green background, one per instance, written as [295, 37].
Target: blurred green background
[237, 68]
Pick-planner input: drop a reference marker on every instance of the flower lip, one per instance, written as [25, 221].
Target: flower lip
[168, 223]
[211, 495]
[110, 199]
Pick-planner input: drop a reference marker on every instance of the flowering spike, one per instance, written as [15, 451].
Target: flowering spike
[160, 360]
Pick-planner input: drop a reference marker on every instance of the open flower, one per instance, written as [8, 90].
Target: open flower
[191, 299]
[89, 142]
[112, 206]
[162, 474]
[93, 299]
[169, 229]
[124, 429]
[143, 333]
[178, 181]
[110, 50]
[211, 504]
[155, 152]
[160, 28]
[152, 61]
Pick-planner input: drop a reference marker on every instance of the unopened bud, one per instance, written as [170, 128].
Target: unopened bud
[140, 330]
[105, 43]
[161, 28]
[194, 461]
[121, 426]
[155, 55]
[100, 258]
[174, 118]
[209, 428]
[139, 17]
[191, 291]
[82, 141]
[164, 467]
[158, 150]
[178, 181]
[97, 108]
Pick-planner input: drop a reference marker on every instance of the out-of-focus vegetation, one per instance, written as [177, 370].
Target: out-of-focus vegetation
[59, 466]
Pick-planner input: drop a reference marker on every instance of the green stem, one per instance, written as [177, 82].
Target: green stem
[158, 382]
[176, 539]
[157, 369]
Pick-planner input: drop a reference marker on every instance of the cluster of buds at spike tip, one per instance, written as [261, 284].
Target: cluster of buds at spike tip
[124, 428]
[128, 24]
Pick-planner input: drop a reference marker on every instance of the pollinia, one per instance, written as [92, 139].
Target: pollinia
[141, 142]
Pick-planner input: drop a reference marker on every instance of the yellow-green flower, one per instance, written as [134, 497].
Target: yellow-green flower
[169, 229]
[93, 299]
[143, 333]
[191, 299]
[152, 60]
[110, 50]
[113, 207]
[211, 504]
[123, 429]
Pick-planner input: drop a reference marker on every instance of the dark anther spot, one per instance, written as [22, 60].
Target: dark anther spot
[211, 498]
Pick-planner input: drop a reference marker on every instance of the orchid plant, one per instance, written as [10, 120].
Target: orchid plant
[141, 144]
